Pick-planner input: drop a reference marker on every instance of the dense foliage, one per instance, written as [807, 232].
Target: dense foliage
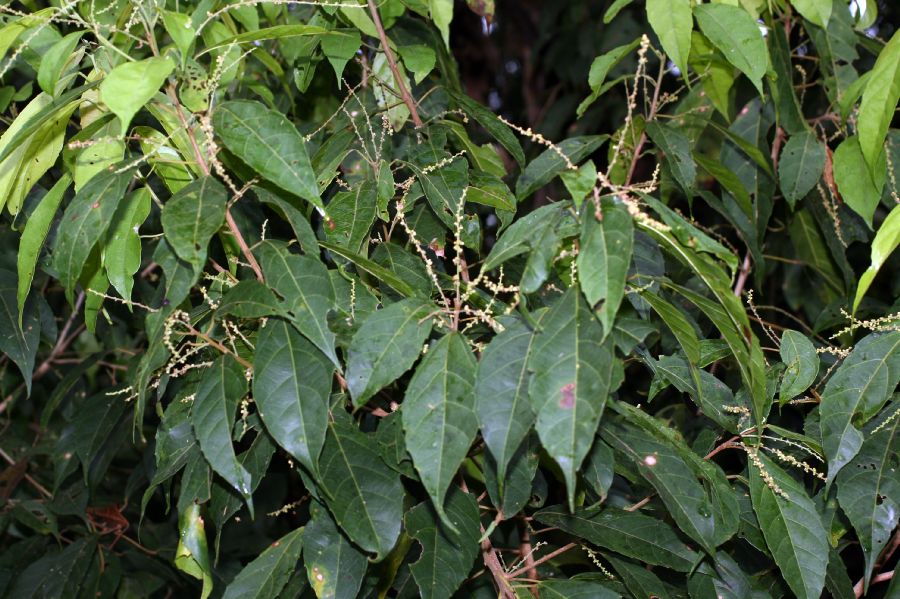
[289, 313]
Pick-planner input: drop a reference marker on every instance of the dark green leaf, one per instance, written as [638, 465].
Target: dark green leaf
[192, 216]
[20, 344]
[266, 575]
[334, 567]
[677, 149]
[802, 362]
[736, 34]
[800, 165]
[550, 163]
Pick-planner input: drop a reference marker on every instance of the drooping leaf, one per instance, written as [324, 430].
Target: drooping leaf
[501, 392]
[363, 494]
[802, 362]
[438, 415]
[672, 22]
[604, 258]
[575, 589]
[334, 567]
[221, 388]
[734, 32]
[339, 47]
[879, 99]
[192, 216]
[291, 387]
[385, 346]
[860, 186]
[601, 66]
[447, 555]
[304, 284]
[512, 492]
[270, 144]
[122, 253]
[373, 268]
[573, 375]
[630, 533]
[130, 85]
[800, 165]
[87, 216]
[816, 11]
[855, 393]
[792, 528]
[868, 489]
[886, 241]
[267, 575]
[192, 554]
[32, 240]
[493, 125]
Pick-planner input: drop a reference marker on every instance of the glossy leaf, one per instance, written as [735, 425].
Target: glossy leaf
[879, 99]
[549, 164]
[886, 241]
[501, 392]
[800, 165]
[122, 253]
[385, 346]
[860, 187]
[604, 257]
[672, 22]
[734, 32]
[677, 150]
[802, 362]
[291, 387]
[270, 144]
[792, 529]
[192, 216]
[447, 554]
[573, 375]
[266, 575]
[362, 492]
[221, 388]
[856, 391]
[439, 417]
[192, 555]
[334, 567]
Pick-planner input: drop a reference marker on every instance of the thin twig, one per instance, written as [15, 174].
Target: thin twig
[540, 561]
[392, 63]
[883, 577]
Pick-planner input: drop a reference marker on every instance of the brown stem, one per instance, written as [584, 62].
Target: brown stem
[654, 103]
[526, 551]
[392, 63]
[883, 577]
[242, 243]
[540, 561]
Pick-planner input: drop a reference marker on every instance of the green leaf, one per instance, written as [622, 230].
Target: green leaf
[405, 265]
[122, 253]
[250, 299]
[694, 507]
[181, 29]
[792, 528]
[886, 241]
[419, 59]
[221, 388]
[799, 356]
[678, 323]
[299, 223]
[816, 11]
[607, 238]
[640, 581]
[728, 180]
[376, 270]
[855, 393]
[60, 54]
[579, 183]
[736, 34]
[492, 124]
[811, 248]
[800, 165]
[614, 9]
[334, 567]
[18, 341]
[192, 216]
[363, 494]
[879, 100]
[87, 218]
[352, 213]
[270, 144]
[442, 13]
[130, 85]
[278, 32]
[859, 189]
[291, 387]
[512, 492]
[447, 555]
[267, 575]
[490, 190]
[600, 68]
[192, 554]
[339, 47]
[501, 392]
[524, 234]
[632, 534]
[438, 415]
[550, 163]
[573, 376]
[672, 22]
[32, 240]
[304, 284]
[868, 489]
[385, 346]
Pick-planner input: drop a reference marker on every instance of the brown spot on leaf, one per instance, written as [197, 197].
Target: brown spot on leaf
[567, 396]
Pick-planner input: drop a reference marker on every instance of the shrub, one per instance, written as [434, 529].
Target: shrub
[291, 314]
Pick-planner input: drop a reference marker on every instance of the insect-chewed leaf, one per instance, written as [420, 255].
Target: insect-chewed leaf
[447, 555]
